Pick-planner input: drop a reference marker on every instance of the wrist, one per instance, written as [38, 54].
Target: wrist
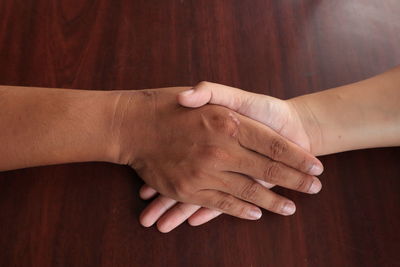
[93, 117]
[130, 125]
[135, 124]
[309, 120]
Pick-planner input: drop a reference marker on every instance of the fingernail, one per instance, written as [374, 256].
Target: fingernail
[316, 169]
[254, 213]
[288, 209]
[187, 92]
[315, 186]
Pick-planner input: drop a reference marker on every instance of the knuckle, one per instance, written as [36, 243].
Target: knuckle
[225, 183]
[225, 203]
[250, 191]
[275, 205]
[215, 153]
[225, 122]
[244, 163]
[237, 102]
[272, 171]
[183, 189]
[203, 84]
[196, 173]
[228, 127]
[278, 147]
[243, 212]
[304, 165]
[303, 183]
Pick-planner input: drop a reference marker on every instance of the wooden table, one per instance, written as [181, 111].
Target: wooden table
[87, 214]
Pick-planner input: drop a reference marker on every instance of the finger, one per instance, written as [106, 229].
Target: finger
[176, 216]
[262, 168]
[155, 209]
[254, 106]
[213, 93]
[248, 190]
[228, 204]
[262, 139]
[202, 216]
[147, 192]
[181, 212]
[172, 217]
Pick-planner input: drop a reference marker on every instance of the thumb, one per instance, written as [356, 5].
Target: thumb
[194, 97]
[213, 93]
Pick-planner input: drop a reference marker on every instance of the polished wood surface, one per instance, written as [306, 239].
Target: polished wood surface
[87, 214]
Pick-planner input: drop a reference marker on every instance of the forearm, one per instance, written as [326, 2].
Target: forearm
[42, 126]
[361, 115]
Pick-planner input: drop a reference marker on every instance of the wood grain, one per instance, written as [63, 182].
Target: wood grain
[87, 214]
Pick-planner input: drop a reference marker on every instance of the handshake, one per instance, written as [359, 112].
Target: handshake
[219, 151]
[215, 149]
[206, 150]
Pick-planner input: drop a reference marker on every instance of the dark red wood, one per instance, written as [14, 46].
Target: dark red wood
[87, 214]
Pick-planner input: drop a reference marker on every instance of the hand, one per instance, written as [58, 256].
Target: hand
[204, 156]
[282, 117]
